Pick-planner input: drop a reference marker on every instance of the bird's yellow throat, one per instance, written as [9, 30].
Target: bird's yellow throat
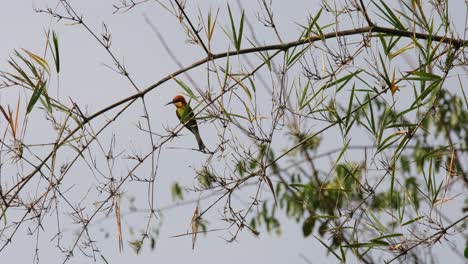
[179, 104]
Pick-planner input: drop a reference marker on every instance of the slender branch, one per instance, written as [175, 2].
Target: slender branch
[439, 233]
[193, 28]
[366, 15]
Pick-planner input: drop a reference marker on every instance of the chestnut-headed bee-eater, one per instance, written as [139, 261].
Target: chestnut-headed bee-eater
[185, 114]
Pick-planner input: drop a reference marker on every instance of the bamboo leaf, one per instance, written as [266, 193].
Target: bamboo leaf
[387, 236]
[350, 107]
[236, 38]
[412, 220]
[376, 243]
[270, 184]
[56, 52]
[35, 96]
[379, 224]
[343, 80]
[313, 23]
[427, 91]
[329, 248]
[43, 63]
[185, 87]
[389, 15]
[423, 76]
[22, 73]
[386, 142]
[304, 94]
[241, 31]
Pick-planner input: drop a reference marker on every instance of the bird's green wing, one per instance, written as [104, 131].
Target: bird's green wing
[186, 117]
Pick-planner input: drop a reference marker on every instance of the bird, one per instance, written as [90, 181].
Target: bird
[185, 115]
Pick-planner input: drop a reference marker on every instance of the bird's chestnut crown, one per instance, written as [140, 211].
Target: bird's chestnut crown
[178, 99]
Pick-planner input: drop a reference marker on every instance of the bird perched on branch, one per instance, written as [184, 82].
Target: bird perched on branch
[185, 114]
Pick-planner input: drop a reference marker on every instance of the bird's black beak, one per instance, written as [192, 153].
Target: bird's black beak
[169, 103]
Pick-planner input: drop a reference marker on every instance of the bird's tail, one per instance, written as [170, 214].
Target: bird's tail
[201, 145]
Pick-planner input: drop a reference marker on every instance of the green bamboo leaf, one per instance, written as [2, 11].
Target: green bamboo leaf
[392, 183]
[379, 224]
[247, 110]
[230, 115]
[343, 80]
[381, 124]
[233, 28]
[320, 31]
[404, 112]
[402, 125]
[56, 54]
[30, 65]
[384, 43]
[325, 216]
[39, 60]
[308, 226]
[386, 142]
[185, 87]
[235, 38]
[78, 150]
[304, 94]
[372, 119]
[423, 76]
[245, 88]
[401, 146]
[253, 85]
[413, 15]
[26, 79]
[35, 96]
[367, 244]
[427, 91]
[226, 71]
[46, 103]
[386, 76]
[391, 45]
[350, 107]
[329, 249]
[295, 57]
[272, 189]
[312, 98]
[386, 237]
[177, 192]
[342, 152]
[343, 253]
[313, 23]
[370, 126]
[428, 178]
[436, 194]
[462, 90]
[389, 15]
[412, 220]
[304, 186]
[241, 31]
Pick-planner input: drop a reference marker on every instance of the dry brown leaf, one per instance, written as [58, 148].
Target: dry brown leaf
[393, 86]
[118, 220]
[194, 223]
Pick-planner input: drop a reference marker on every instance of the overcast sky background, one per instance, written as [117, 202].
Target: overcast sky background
[84, 78]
